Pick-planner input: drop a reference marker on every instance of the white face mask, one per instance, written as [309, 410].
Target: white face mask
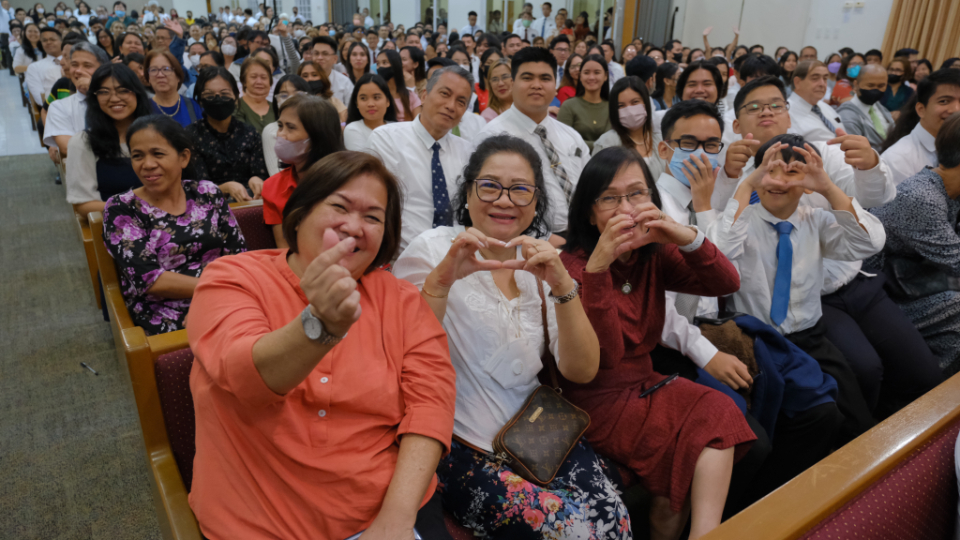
[634, 116]
[195, 59]
[228, 50]
[299, 33]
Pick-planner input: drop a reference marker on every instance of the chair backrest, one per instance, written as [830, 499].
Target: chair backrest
[173, 386]
[257, 234]
[915, 501]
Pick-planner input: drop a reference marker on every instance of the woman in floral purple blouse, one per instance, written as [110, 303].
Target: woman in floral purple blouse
[163, 234]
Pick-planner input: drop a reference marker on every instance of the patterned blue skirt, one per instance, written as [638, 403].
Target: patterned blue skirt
[580, 503]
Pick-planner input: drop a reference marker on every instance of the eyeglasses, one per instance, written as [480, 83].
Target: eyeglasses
[325, 54]
[165, 70]
[120, 92]
[211, 95]
[491, 191]
[690, 144]
[504, 78]
[609, 202]
[776, 107]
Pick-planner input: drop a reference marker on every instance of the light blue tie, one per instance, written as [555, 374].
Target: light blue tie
[781, 283]
[560, 73]
[441, 199]
[816, 110]
[543, 28]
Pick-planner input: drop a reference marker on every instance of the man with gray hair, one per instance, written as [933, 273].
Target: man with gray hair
[425, 156]
[67, 116]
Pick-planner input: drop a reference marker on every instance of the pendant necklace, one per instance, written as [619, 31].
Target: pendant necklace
[626, 288]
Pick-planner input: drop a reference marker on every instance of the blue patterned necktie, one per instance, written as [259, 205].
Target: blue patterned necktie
[816, 110]
[560, 73]
[754, 197]
[781, 283]
[441, 199]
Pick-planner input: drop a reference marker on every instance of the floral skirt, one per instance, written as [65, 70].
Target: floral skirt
[580, 503]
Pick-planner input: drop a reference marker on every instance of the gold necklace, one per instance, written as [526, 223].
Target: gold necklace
[159, 106]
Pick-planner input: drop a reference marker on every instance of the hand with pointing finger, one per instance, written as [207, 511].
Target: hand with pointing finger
[329, 286]
[857, 151]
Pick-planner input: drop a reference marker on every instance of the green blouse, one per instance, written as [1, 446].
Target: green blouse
[245, 114]
[590, 120]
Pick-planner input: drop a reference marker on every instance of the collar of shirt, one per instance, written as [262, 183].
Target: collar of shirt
[765, 215]
[426, 138]
[231, 129]
[675, 188]
[798, 102]
[925, 138]
[524, 122]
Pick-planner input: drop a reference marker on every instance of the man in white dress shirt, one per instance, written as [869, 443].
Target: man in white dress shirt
[938, 96]
[470, 29]
[560, 48]
[517, 27]
[325, 53]
[42, 74]
[544, 26]
[67, 117]
[864, 115]
[561, 148]
[425, 156]
[809, 114]
[856, 310]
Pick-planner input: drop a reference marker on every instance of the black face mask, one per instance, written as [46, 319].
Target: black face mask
[385, 72]
[678, 57]
[894, 79]
[869, 97]
[317, 87]
[218, 108]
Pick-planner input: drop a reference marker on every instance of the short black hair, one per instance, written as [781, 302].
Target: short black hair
[687, 109]
[217, 57]
[439, 61]
[472, 14]
[874, 52]
[642, 66]
[534, 55]
[906, 52]
[210, 73]
[745, 90]
[700, 65]
[928, 87]
[326, 40]
[669, 45]
[787, 154]
[559, 39]
[759, 66]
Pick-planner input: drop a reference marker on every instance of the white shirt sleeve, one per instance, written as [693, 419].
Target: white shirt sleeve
[81, 167]
[34, 80]
[843, 238]
[731, 235]
[269, 138]
[21, 58]
[873, 187]
[680, 335]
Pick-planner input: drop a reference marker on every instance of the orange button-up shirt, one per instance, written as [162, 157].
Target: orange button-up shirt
[314, 463]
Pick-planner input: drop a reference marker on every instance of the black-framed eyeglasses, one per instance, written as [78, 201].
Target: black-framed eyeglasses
[609, 202]
[690, 144]
[491, 191]
[755, 107]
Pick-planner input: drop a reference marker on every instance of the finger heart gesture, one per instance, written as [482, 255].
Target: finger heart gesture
[655, 227]
[329, 286]
[815, 178]
[461, 259]
[540, 258]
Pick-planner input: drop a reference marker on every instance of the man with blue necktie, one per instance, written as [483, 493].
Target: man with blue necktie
[779, 246]
[425, 156]
[545, 26]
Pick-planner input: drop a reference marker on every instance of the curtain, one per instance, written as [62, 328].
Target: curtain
[930, 26]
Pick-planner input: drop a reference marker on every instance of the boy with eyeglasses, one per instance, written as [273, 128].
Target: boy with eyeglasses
[885, 351]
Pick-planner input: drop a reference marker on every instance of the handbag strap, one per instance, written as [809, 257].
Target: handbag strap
[551, 362]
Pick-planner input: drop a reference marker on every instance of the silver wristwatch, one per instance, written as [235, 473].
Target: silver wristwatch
[315, 330]
[567, 297]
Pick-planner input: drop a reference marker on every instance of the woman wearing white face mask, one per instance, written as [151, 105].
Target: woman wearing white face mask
[228, 48]
[631, 123]
[308, 130]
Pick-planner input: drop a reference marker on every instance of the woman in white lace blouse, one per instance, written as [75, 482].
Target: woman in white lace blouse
[480, 278]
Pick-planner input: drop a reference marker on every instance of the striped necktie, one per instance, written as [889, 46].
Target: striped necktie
[555, 164]
[816, 110]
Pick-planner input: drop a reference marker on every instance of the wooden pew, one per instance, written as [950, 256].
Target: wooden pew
[845, 484]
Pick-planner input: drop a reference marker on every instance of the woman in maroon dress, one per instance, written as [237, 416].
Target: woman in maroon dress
[683, 439]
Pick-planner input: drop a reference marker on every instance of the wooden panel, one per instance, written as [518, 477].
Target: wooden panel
[805, 501]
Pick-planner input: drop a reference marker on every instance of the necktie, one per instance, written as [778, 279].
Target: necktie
[555, 163]
[816, 111]
[754, 198]
[781, 282]
[692, 214]
[441, 199]
[543, 28]
[559, 73]
[878, 123]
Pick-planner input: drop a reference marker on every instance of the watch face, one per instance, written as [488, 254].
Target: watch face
[312, 327]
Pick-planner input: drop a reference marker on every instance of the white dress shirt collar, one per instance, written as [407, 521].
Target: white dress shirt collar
[425, 137]
[925, 138]
[524, 121]
[797, 101]
[675, 188]
[765, 215]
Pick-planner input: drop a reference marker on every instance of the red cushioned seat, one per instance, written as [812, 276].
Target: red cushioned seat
[258, 234]
[917, 500]
[173, 386]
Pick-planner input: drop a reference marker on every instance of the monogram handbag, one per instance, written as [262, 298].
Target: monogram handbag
[538, 439]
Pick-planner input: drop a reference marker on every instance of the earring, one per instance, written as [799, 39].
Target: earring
[466, 206]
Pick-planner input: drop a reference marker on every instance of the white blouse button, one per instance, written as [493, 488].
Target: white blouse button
[322, 413]
[324, 380]
[517, 367]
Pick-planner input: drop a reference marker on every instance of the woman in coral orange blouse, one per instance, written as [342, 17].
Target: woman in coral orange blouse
[323, 385]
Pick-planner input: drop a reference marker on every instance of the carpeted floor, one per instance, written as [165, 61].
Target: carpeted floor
[72, 462]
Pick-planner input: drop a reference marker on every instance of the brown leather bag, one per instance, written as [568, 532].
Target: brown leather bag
[538, 439]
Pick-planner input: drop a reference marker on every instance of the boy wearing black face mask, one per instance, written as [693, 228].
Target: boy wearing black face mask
[864, 115]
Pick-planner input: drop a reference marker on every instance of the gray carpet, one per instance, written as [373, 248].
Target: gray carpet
[72, 462]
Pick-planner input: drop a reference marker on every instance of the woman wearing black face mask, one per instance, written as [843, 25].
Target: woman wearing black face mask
[229, 152]
[898, 93]
[319, 82]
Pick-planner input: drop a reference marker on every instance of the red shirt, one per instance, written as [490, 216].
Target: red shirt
[565, 93]
[483, 96]
[276, 191]
[316, 462]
